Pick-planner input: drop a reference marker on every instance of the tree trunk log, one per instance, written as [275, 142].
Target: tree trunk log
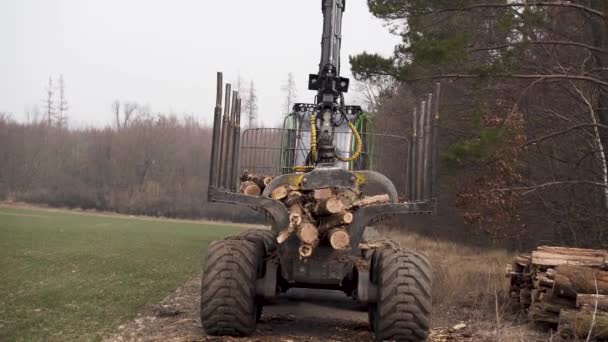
[284, 235]
[335, 220]
[579, 323]
[589, 301]
[572, 280]
[372, 200]
[339, 238]
[294, 198]
[261, 180]
[555, 256]
[280, 192]
[305, 250]
[308, 233]
[329, 206]
[250, 188]
[321, 194]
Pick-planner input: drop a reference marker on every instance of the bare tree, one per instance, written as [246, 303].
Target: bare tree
[251, 105]
[62, 103]
[49, 106]
[291, 92]
[116, 112]
[128, 110]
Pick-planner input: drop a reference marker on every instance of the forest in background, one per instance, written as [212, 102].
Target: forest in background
[154, 165]
[524, 109]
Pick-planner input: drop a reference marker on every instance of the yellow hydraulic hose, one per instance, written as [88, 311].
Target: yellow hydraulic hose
[313, 138]
[358, 145]
[313, 146]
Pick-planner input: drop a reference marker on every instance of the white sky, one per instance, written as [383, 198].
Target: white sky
[165, 53]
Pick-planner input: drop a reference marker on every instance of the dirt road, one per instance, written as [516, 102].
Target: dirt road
[300, 315]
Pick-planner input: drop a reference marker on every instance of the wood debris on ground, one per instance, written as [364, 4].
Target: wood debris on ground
[564, 287]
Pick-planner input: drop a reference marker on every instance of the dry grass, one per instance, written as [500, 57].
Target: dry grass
[470, 287]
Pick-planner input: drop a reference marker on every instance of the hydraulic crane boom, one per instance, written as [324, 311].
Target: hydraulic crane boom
[328, 83]
[333, 11]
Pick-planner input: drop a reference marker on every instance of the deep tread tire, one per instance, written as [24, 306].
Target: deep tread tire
[403, 311]
[228, 298]
[267, 237]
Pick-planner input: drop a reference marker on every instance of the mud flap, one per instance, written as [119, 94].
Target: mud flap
[266, 287]
[367, 292]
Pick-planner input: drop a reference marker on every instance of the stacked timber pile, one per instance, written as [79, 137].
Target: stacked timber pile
[315, 216]
[567, 287]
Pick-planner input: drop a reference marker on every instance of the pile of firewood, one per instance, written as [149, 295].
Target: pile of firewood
[567, 287]
[315, 216]
[253, 184]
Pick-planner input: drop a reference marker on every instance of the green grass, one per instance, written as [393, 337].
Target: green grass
[71, 277]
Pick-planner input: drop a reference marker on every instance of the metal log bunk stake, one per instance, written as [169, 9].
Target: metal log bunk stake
[435, 164]
[236, 146]
[227, 176]
[215, 147]
[411, 195]
[420, 153]
[426, 190]
[222, 172]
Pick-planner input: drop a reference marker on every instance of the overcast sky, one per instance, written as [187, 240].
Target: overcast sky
[165, 53]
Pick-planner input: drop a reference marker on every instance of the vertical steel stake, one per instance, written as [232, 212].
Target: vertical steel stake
[215, 142]
[223, 150]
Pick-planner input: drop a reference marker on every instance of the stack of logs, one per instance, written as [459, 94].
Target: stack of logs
[253, 184]
[567, 287]
[315, 215]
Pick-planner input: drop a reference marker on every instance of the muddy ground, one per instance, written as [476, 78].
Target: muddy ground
[299, 315]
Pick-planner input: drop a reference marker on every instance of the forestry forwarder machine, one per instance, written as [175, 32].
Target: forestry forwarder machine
[319, 202]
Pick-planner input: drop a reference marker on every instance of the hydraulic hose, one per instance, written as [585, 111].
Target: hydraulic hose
[358, 145]
[313, 138]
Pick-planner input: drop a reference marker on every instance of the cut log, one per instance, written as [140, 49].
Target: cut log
[572, 280]
[555, 256]
[339, 238]
[308, 233]
[329, 206]
[347, 196]
[284, 235]
[537, 314]
[372, 200]
[323, 193]
[550, 273]
[305, 250]
[295, 219]
[543, 280]
[250, 188]
[573, 323]
[523, 260]
[280, 192]
[294, 198]
[261, 180]
[552, 303]
[336, 220]
[589, 301]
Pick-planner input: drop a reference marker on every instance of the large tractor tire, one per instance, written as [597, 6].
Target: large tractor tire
[267, 237]
[228, 294]
[403, 310]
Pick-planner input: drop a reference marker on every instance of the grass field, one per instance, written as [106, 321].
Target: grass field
[76, 277]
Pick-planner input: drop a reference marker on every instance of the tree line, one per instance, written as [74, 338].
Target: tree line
[524, 109]
[147, 165]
